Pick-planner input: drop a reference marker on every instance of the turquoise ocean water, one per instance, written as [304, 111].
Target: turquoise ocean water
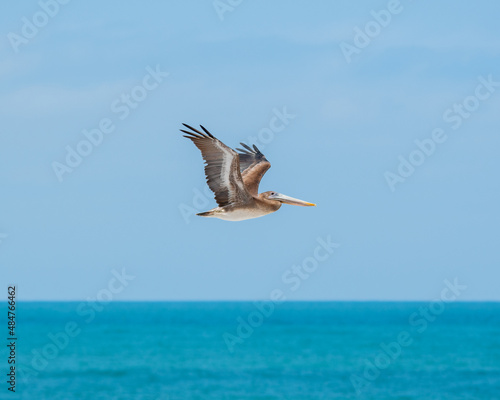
[240, 350]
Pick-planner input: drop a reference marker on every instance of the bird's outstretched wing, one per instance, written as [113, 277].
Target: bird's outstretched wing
[222, 167]
[253, 166]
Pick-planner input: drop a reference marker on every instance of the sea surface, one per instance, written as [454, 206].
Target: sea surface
[245, 350]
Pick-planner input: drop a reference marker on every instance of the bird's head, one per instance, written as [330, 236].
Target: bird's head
[271, 195]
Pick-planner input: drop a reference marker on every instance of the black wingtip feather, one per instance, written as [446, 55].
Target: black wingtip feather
[192, 135]
[189, 127]
[249, 150]
[207, 132]
[193, 129]
[198, 134]
[247, 147]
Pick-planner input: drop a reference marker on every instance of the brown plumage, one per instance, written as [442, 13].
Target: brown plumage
[253, 166]
[234, 178]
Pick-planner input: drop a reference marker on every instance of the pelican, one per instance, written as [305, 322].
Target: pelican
[234, 178]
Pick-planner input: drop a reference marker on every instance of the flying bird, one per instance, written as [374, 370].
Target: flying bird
[234, 178]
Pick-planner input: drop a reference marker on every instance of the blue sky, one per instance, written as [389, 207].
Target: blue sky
[127, 204]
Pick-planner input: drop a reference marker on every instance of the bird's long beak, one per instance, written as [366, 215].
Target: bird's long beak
[290, 200]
